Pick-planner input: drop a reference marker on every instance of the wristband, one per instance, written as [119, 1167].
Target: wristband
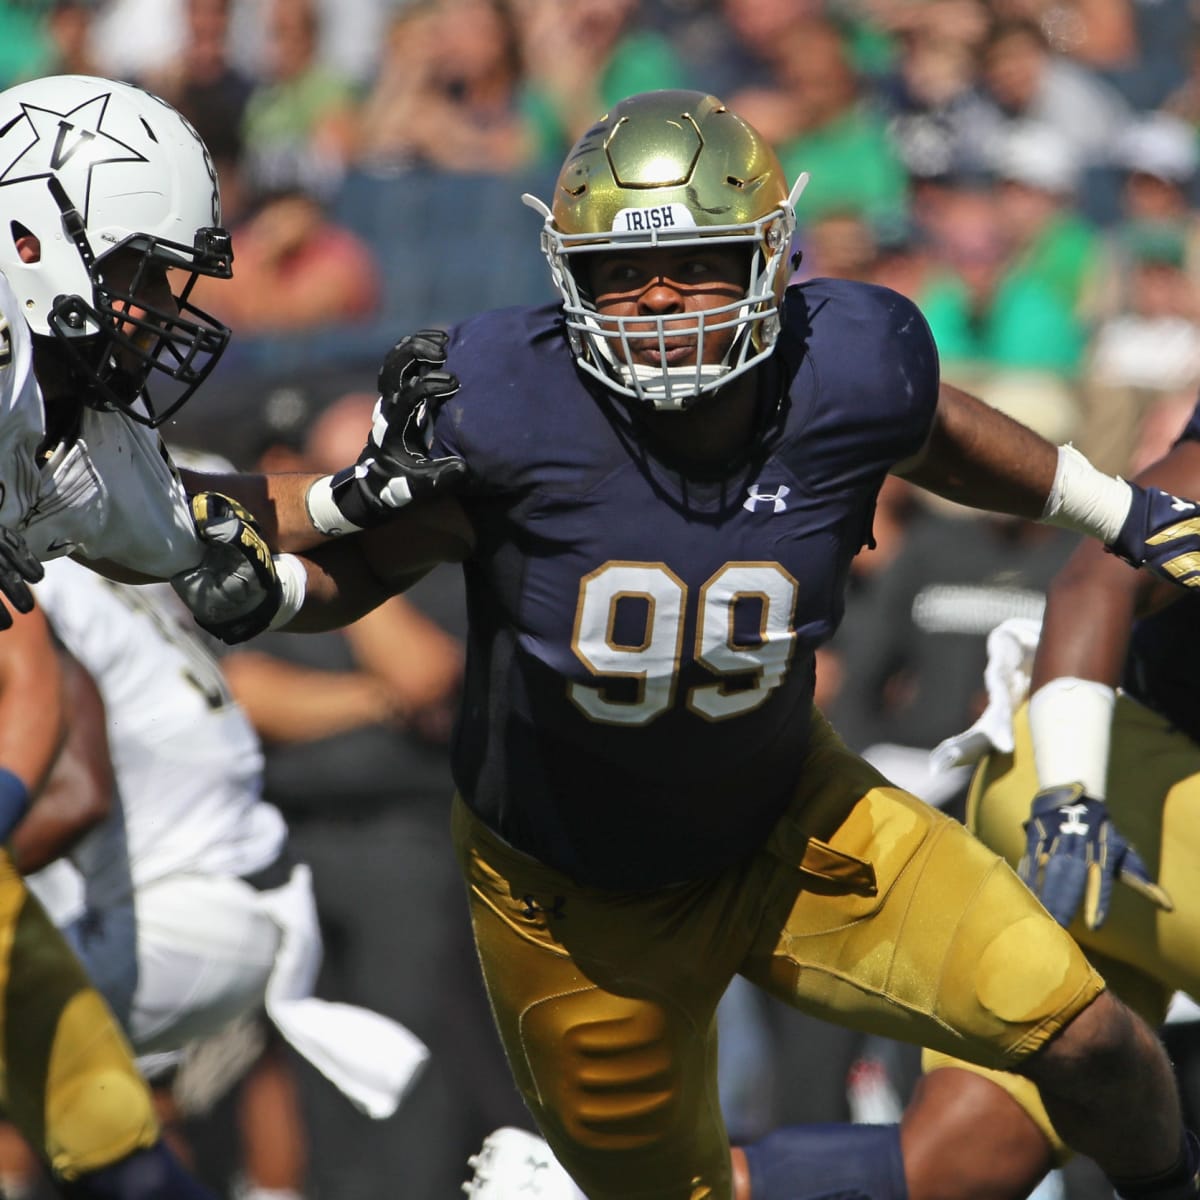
[1070, 724]
[293, 584]
[325, 515]
[1086, 500]
[14, 800]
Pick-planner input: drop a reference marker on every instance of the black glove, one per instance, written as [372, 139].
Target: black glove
[1161, 533]
[18, 569]
[233, 591]
[394, 467]
[1074, 854]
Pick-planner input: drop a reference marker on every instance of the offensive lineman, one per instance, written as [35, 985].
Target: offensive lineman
[108, 198]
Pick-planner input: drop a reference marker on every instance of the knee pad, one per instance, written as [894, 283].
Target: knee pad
[98, 1109]
[828, 1162]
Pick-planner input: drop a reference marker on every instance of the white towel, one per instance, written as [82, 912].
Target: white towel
[1011, 647]
[372, 1059]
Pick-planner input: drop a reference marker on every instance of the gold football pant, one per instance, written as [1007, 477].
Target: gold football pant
[1144, 954]
[865, 907]
[69, 1082]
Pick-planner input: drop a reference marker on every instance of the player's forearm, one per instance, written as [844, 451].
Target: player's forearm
[78, 793]
[277, 502]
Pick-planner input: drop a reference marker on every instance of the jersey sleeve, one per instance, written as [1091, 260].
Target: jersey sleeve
[509, 364]
[865, 387]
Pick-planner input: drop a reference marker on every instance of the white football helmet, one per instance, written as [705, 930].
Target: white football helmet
[670, 168]
[89, 166]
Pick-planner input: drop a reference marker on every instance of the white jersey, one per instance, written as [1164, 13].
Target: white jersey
[187, 761]
[111, 493]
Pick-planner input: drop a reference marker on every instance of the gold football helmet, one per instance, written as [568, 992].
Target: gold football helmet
[670, 168]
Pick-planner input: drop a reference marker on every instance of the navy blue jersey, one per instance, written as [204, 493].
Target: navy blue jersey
[640, 656]
[1162, 669]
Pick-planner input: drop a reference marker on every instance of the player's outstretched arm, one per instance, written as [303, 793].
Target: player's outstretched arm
[297, 512]
[977, 456]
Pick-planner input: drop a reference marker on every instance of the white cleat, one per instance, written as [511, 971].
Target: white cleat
[515, 1165]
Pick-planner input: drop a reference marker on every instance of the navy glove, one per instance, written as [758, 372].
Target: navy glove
[233, 591]
[394, 467]
[1074, 853]
[1162, 533]
[18, 569]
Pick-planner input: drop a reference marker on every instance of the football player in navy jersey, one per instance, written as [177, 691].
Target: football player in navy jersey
[1130, 767]
[659, 485]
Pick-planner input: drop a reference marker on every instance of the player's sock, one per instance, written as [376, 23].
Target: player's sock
[153, 1174]
[1181, 1182]
[837, 1162]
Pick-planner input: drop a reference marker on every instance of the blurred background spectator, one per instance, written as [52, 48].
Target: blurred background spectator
[1026, 170]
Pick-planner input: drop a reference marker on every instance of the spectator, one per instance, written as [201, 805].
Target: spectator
[296, 270]
[69, 27]
[984, 315]
[582, 58]
[1144, 354]
[299, 122]
[1023, 79]
[1148, 355]
[929, 98]
[204, 85]
[1037, 180]
[448, 91]
[837, 137]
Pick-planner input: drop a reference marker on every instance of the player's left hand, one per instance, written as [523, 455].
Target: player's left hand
[1074, 854]
[394, 467]
[18, 569]
[1161, 533]
[233, 591]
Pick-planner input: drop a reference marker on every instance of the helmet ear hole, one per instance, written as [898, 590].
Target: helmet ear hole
[27, 243]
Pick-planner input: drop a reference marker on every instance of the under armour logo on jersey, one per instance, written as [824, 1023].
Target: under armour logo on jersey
[1073, 824]
[1179, 505]
[776, 499]
[40, 143]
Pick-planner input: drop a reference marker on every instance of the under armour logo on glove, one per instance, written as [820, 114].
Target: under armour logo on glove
[1161, 533]
[1074, 854]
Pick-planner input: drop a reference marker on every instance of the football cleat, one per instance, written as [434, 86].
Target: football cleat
[513, 1164]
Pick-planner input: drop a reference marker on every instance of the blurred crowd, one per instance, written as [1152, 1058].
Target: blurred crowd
[1026, 170]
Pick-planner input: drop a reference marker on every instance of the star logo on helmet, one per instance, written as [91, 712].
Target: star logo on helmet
[68, 145]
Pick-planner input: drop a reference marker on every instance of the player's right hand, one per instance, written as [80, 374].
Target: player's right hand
[394, 467]
[1074, 854]
[233, 591]
[18, 569]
